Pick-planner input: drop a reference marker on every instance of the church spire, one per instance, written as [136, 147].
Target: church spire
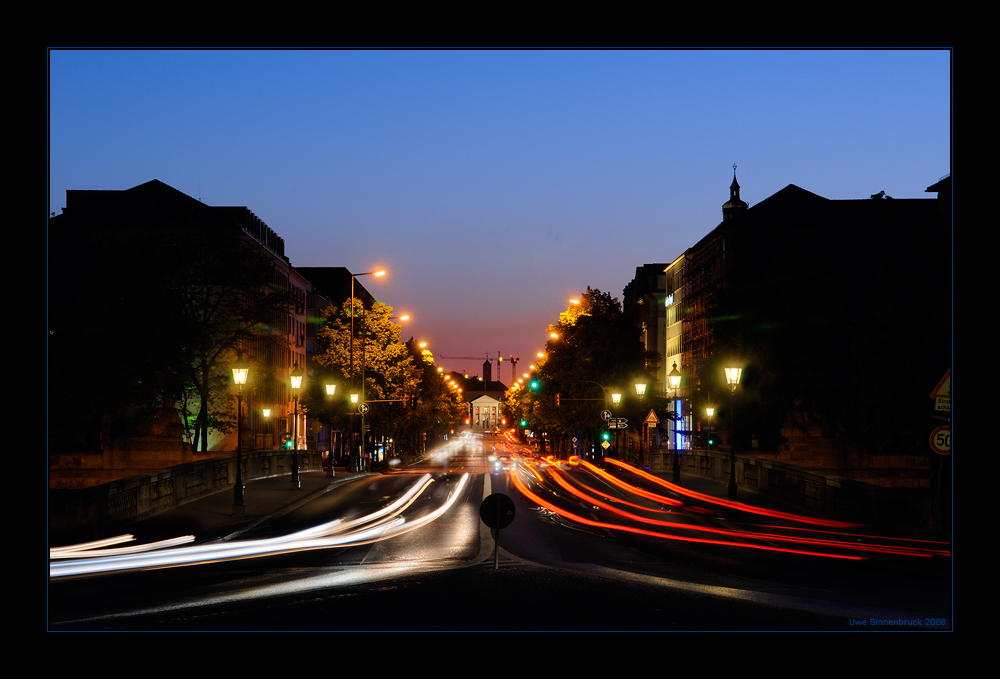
[735, 206]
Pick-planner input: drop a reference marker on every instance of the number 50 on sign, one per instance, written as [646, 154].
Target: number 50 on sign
[941, 440]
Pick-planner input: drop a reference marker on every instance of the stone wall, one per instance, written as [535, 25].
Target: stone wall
[85, 514]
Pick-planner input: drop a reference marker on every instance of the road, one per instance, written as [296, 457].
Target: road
[588, 549]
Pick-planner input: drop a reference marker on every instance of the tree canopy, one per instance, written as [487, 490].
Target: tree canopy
[377, 352]
[593, 346]
[407, 394]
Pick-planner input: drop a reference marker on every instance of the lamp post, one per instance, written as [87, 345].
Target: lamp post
[711, 411]
[616, 399]
[640, 391]
[331, 389]
[353, 314]
[240, 373]
[355, 458]
[674, 377]
[296, 378]
[732, 379]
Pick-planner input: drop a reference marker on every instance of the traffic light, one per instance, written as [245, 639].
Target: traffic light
[605, 436]
[534, 385]
[557, 400]
[524, 423]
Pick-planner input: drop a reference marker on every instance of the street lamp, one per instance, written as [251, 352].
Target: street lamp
[267, 425]
[241, 370]
[331, 389]
[732, 379]
[296, 378]
[616, 399]
[640, 391]
[353, 313]
[711, 411]
[674, 377]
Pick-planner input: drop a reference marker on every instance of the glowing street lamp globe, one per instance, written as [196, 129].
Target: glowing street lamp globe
[241, 370]
[733, 377]
[675, 378]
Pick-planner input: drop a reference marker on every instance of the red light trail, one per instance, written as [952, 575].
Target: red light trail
[738, 538]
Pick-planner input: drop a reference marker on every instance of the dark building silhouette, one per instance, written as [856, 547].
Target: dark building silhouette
[334, 283]
[644, 301]
[839, 311]
[111, 276]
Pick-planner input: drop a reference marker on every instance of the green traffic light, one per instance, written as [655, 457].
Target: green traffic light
[534, 384]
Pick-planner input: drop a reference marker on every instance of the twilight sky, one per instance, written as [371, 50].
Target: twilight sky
[495, 185]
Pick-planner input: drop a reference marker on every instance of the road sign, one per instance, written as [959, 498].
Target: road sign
[363, 408]
[941, 440]
[497, 511]
[942, 394]
[618, 423]
[605, 415]
[651, 418]
[605, 445]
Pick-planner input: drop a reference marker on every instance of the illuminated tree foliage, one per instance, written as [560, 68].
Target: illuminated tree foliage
[436, 408]
[378, 353]
[594, 345]
[381, 362]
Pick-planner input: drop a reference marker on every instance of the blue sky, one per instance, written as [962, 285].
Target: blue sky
[494, 185]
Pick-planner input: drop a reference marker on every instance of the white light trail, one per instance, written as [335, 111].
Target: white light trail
[324, 536]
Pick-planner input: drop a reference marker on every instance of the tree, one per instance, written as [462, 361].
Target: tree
[154, 314]
[593, 345]
[377, 351]
[436, 408]
[378, 359]
[229, 297]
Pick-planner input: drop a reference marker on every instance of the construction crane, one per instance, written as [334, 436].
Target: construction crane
[513, 362]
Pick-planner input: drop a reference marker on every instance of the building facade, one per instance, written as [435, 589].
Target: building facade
[817, 300]
[139, 260]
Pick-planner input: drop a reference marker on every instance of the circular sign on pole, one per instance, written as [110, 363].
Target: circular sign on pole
[605, 415]
[941, 440]
[497, 511]
[363, 408]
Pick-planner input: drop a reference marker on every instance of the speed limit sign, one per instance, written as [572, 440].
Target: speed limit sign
[941, 440]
